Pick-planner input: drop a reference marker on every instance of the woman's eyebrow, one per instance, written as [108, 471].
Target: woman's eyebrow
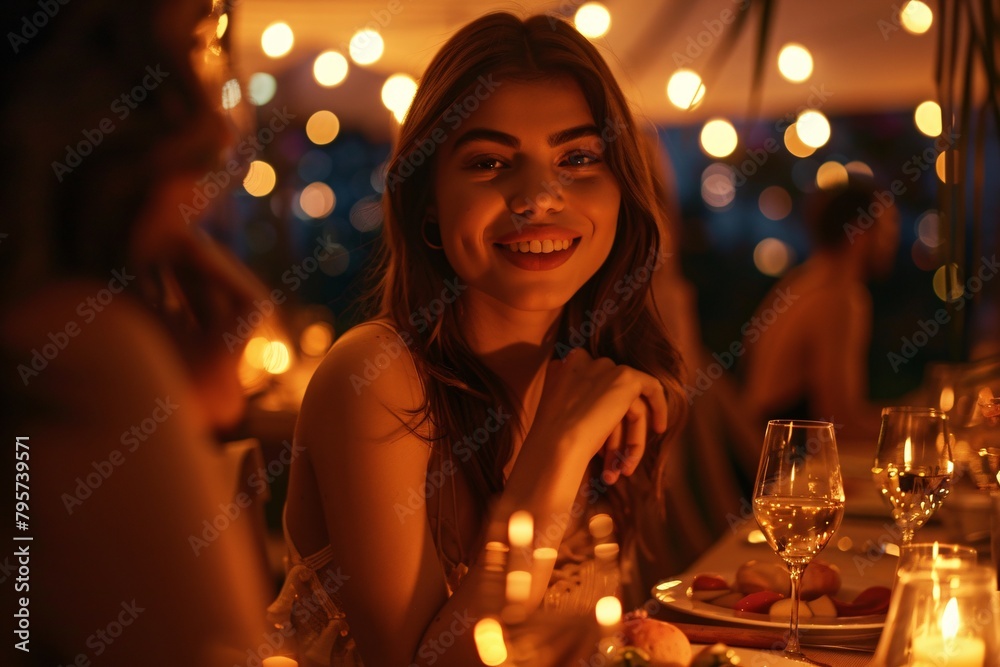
[498, 137]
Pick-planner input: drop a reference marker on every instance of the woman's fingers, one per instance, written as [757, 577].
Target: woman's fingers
[613, 456]
[635, 436]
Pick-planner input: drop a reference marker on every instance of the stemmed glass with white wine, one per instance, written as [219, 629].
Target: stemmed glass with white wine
[913, 465]
[798, 500]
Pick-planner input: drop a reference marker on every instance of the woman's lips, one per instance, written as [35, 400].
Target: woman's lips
[537, 259]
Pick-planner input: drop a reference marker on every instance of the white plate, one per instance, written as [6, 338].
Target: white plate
[750, 656]
[675, 594]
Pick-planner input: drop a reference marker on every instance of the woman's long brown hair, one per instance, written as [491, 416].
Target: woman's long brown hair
[460, 390]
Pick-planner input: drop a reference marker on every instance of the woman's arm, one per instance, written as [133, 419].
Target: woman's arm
[368, 467]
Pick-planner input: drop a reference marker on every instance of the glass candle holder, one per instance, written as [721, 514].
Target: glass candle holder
[924, 555]
[942, 617]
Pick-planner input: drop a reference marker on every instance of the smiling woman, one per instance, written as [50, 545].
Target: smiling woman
[517, 178]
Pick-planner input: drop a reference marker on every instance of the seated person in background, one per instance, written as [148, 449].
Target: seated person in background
[810, 356]
[521, 365]
[115, 369]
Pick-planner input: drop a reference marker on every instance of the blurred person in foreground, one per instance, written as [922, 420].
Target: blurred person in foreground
[115, 371]
[808, 358]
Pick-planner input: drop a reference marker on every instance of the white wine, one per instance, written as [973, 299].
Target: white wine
[913, 494]
[797, 528]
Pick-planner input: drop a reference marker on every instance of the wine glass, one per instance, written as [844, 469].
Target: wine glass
[913, 464]
[798, 500]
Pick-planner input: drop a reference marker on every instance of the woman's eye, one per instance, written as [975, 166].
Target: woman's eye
[487, 164]
[582, 159]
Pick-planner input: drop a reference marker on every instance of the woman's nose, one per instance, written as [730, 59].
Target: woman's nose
[536, 192]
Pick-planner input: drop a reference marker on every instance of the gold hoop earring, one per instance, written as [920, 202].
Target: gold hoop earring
[423, 234]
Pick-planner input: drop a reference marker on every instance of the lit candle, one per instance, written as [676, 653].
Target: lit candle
[948, 649]
[608, 611]
[521, 535]
[279, 661]
[490, 644]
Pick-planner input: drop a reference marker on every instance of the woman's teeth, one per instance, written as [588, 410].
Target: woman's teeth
[536, 247]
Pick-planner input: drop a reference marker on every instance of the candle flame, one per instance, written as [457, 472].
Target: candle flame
[947, 400]
[907, 454]
[950, 620]
[520, 529]
[488, 635]
[608, 611]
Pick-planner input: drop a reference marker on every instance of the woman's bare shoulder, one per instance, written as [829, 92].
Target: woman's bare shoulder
[369, 379]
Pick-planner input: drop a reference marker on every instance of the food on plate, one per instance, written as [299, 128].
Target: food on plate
[664, 643]
[717, 655]
[756, 575]
[823, 606]
[708, 587]
[782, 609]
[819, 578]
[758, 603]
[873, 600]
[762, 587]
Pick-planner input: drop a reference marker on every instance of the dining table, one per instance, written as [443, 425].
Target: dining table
[864, 549]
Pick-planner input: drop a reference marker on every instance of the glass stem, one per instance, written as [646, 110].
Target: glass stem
[795, 575]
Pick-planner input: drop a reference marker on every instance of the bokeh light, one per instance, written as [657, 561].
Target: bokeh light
[608, 611]
[397, 94]
[261, 88]
[220, 29]
[929, 229]
[366, 47]
[316, 339]
[330, 69]
[260, 179]
[942, 163]
[772, 257]
[916, 17]
[592, 20]
[794, 145]
[830, 175]
[337, 259]
[813, 128]
[277, 39]
[317, 200]
[718, 138]
[488, 635]
[859, 168]
[775, 203]
[718, 187]
[685, 89]
[941, 288]
[795, 62]
[231, 94]
[928, 118]
[277, 359]
[366, 214]
[322, 127]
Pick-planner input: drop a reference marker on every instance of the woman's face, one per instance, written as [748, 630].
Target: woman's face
[526, 202]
